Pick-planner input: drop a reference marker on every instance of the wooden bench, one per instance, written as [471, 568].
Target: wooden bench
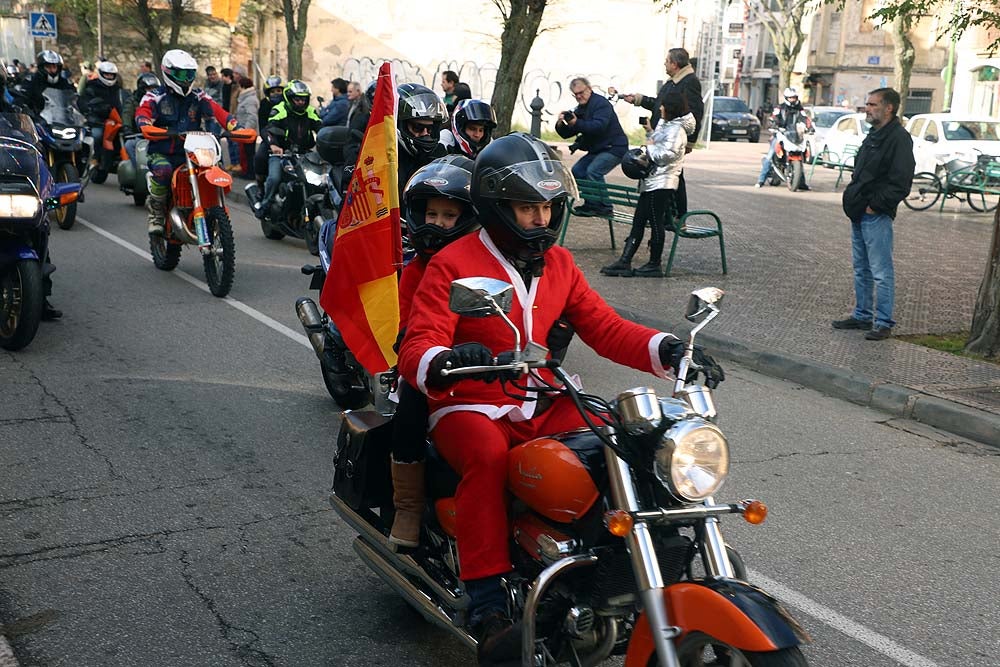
[691, 225]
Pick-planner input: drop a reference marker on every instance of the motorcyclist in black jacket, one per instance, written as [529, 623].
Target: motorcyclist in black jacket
[100, 95]
[51, 74]
[419, 119]
[787, 115]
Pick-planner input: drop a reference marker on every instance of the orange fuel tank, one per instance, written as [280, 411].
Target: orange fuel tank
[555, 475]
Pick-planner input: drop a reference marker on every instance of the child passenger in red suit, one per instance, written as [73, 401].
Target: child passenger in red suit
[521, 193]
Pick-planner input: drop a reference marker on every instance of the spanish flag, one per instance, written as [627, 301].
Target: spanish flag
[360, 292]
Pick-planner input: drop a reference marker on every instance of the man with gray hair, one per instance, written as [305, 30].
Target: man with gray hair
[598, 131]
[682, 79]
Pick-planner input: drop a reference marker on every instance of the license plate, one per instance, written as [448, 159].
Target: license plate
[739, 131]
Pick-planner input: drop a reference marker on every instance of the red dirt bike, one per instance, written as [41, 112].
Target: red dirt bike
[196, 208]
[615, 532]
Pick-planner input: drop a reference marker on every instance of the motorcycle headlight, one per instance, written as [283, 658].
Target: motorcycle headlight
[315, 177]
[692, 460]
[64, 132]
[19, 206]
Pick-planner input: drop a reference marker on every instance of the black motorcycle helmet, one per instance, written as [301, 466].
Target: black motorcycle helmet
[447, 177]
[473, 111]
[636, 164]
[417, 102]
[146, 81]
[273, 85]
[297, 96]
[519, 167]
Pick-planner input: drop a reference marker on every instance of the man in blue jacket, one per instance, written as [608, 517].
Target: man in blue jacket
[598, 132]
[335, 112]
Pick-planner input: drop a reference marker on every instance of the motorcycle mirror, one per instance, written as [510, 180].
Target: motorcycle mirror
[706, 298]
[480, 297]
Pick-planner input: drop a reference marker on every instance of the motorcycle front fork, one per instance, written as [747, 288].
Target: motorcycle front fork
[646, 566]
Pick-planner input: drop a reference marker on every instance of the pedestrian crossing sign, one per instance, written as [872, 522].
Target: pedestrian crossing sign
[43, 25]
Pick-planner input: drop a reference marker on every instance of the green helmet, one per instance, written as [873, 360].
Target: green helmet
[296, 96]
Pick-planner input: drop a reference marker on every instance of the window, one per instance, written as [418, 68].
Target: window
[827, 118]
[931, 133]
[833, 34]
[968, 130]
[729, 104]
[846, 126]
[918, 126]
[919, 101]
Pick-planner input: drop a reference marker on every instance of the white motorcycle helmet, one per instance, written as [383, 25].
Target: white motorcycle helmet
[179, 69]
[107, 72]
[790, 92]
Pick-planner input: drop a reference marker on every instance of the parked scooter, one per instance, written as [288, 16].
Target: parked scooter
[791, 152]
[302, 195]
[132, 171]
[615, 532]
[196, 208]
[66, 144]
[29, 193]
[350, 386]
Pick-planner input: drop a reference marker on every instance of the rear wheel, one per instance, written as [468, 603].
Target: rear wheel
[924, 192]
[981, 202]
[220, 262]
[165, 254]
[700, 650]
[66, 215]
[139, 197]
[21, 301]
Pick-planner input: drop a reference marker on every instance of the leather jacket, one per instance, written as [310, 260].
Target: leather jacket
[666, 149]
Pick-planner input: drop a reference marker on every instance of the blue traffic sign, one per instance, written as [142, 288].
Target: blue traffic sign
[43, 25]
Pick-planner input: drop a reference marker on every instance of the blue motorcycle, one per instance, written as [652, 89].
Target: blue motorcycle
[27, 193]
[65, 141]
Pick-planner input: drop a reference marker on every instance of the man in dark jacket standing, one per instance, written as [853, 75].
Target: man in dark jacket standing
[682, 79]
[883, 174]
[598, 132]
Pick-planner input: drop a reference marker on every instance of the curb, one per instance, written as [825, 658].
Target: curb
[7, 658]
[897, 400]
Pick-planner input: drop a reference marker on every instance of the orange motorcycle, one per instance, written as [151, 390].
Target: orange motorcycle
[112, 151]
[615, 535]
[196, 208]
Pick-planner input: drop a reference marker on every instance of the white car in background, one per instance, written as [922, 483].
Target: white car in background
[941, 138]
[823, 119]
[845, 136]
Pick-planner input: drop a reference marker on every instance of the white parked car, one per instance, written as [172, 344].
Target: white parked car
[823, 119]
[848, 131]
[940, 138]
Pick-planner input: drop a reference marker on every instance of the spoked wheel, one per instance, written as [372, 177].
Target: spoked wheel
[701, 650]
[981, 202]
[924, 192]
[269, 230]
[21, 303]
[66, 215]
[165, 254]
[220, 261]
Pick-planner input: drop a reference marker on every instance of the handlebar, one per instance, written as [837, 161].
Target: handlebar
[520, 367]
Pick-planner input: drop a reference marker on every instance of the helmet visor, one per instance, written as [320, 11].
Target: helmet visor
[182, 76]
[427, 105]
[529, 181]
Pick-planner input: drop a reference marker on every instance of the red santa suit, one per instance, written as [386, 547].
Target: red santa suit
[474, 423]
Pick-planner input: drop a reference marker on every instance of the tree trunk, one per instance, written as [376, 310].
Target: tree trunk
[520, 27]
[296, 24]
[984, 339]
[148, 29]
[785, 29]
[903, 61]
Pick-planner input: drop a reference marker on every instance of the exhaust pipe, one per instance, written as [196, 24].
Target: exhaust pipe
[454, 598]
[179, 229]
[312, 322]
[413, 595]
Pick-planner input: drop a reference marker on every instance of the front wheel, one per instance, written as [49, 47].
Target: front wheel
[220, 261]
[795, 175]
[924, 192]
[21, 301]
[701, 650]
[66, 173]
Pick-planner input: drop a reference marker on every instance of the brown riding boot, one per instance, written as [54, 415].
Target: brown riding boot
[408, 497]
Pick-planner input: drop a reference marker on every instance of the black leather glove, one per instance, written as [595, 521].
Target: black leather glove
[671, 353]
[462, 355]
[559, 338]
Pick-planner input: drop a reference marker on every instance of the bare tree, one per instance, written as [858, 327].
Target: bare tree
[521, 21]
[784, 25]
[296, 22]
[151, 22]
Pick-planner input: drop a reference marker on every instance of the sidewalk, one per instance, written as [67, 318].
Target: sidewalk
[790, 274]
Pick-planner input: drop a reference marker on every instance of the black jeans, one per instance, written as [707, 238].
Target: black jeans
[653, 208]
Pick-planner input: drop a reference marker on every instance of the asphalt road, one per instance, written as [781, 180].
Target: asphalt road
[166, 460]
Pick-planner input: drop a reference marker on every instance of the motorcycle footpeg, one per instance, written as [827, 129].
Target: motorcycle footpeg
[309, 269]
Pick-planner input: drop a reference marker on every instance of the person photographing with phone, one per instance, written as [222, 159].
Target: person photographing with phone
[598, 132]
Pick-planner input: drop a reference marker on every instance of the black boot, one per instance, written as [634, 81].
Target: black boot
[623, 267]
[652, 269]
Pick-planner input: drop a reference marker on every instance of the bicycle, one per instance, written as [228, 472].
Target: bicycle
[978, 181]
